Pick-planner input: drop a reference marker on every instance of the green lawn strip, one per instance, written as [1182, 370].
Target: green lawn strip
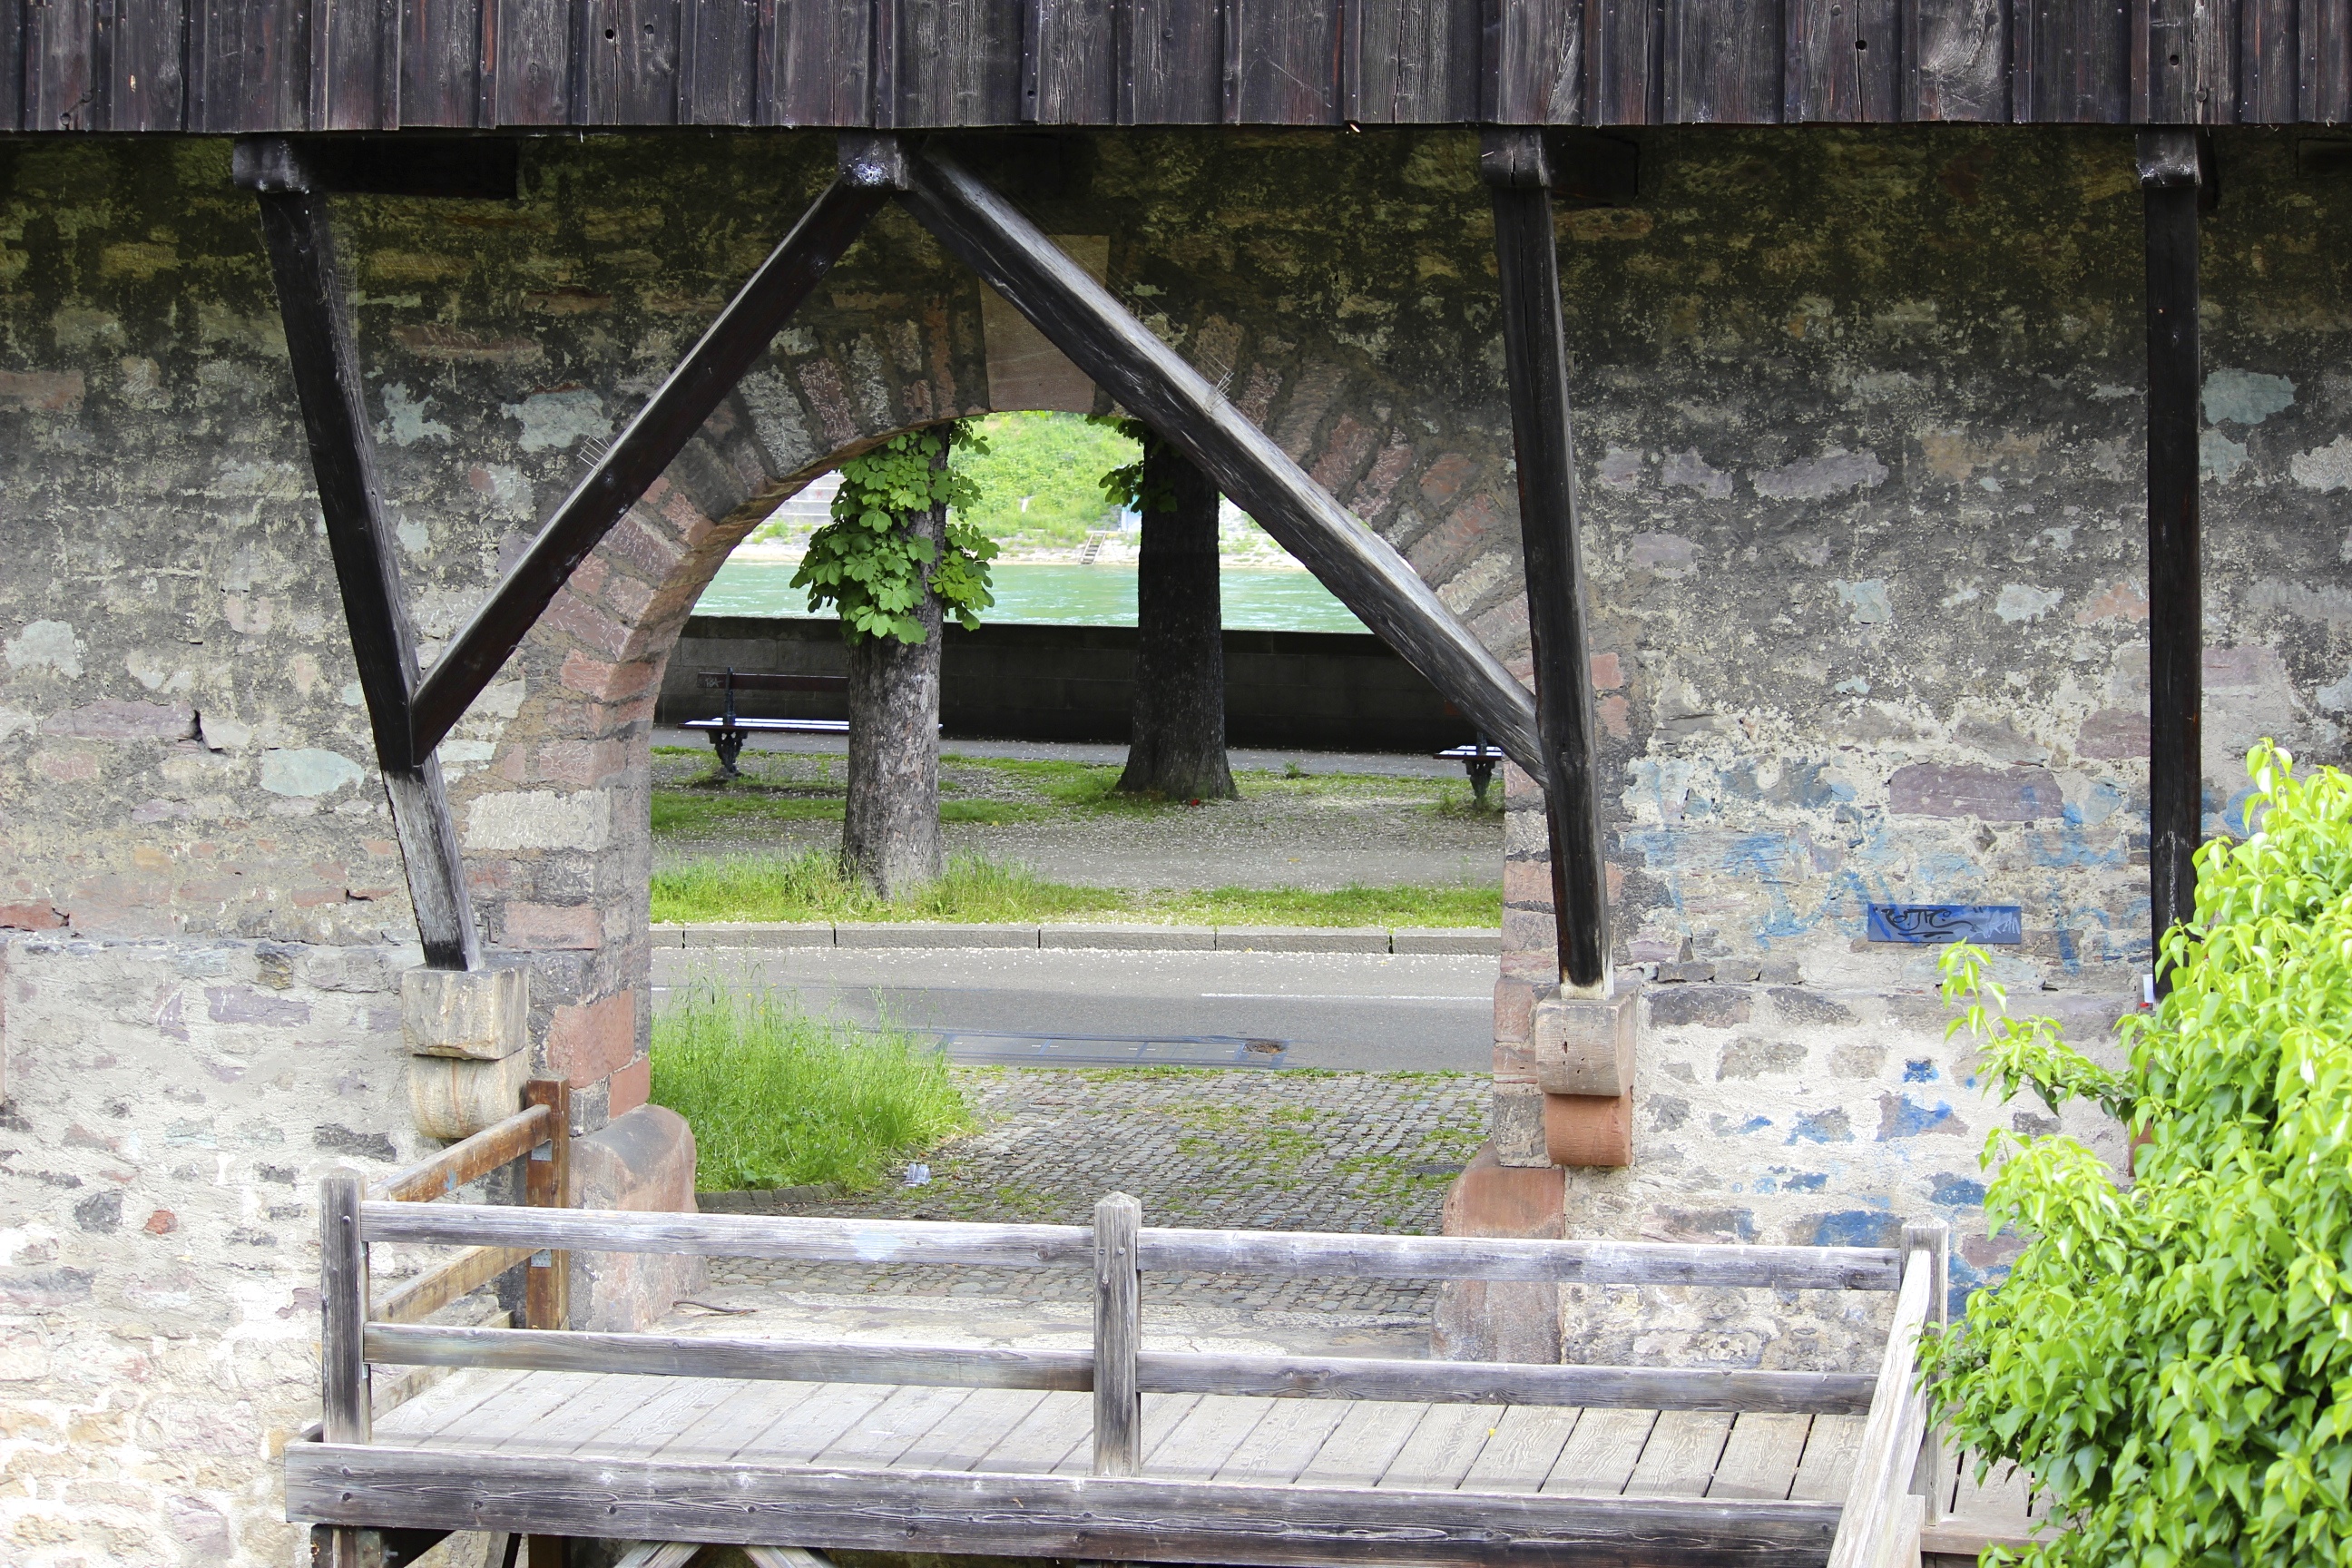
[778, 1098]
[809, 887]
[697, 813]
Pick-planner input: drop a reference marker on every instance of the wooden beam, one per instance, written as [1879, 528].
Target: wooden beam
[342, 459]
[637, 458]
[471, 168]
[465, 1161]
[1345, 1255]
[769, 1361]
[2170, 177]
[1506, 1383]
[460, 1277]
[1094, 1517]
[1891, 1437]
[547, 1185]
[1119, 1337]
[1078, 316]
[1515, 165]
[343, 1311]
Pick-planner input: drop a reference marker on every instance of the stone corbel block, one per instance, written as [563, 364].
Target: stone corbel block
[1515, 1122]
[1584, 1044]
[457, 1097]
[1588, 1131]
[481, 1015]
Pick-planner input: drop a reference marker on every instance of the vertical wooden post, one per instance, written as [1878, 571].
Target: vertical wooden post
[547, 1184]
[1514, 167]
[342, 1310]
[1119, 1334]
[2171, 175]
[1933, 1237]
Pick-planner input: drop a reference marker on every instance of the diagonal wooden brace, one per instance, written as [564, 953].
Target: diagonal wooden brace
[342, 457]
[1079, 317]
[1514, 167]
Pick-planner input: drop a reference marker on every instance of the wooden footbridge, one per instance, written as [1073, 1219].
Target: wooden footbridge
[1119, 1451]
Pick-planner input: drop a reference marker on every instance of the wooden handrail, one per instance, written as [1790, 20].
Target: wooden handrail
[466, 1161]
[821, 1240]
[1154, 1372]
[461, 1276]
[1878, 1512]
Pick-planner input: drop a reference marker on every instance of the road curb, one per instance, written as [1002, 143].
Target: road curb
[1452, 940]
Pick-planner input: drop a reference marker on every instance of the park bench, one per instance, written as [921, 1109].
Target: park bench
[1478, 759]
[1114, 1451]
[728, 731]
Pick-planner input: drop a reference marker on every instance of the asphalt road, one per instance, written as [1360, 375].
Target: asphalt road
[1085, 1009]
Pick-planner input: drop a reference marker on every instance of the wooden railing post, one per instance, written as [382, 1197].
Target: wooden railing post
[1118, 1334]
[343, 1308]
[1935, 1238]
[547, 1184]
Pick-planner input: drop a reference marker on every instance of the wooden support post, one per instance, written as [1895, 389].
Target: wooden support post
[2170, 177]
[343, 1308]
[547, 1184]
[638, 456]
[342, 459]
[1079, 317]
[1514, 167]
[1119, 1337]
[1933, 1237]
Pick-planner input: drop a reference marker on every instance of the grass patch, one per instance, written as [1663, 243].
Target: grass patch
[700, 812]
[778, 1098]
[810, 887]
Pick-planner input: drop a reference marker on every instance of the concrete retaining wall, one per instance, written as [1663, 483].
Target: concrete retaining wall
[1317, 691]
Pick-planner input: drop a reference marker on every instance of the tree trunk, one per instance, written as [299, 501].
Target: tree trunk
[891, 826]
[1176, 746]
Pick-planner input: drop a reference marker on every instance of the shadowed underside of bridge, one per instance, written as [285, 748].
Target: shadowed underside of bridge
[317, 65]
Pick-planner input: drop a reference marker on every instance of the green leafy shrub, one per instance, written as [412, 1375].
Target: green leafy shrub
[1052, 462]
[867, 563]
[778, 1098]
[2171, 1361]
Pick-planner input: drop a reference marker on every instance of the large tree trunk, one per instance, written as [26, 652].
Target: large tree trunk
[1176, 746]
[890, 828]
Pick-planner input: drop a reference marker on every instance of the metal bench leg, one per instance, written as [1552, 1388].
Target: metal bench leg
[729, 744]
[1482, 773]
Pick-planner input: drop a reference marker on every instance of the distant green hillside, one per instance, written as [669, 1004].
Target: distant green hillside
[1052, 462]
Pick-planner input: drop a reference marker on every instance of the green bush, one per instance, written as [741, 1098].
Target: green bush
[778, 1098]
[2171, 1361]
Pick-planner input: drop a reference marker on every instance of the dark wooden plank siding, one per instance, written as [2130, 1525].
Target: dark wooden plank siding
[2071, 60]
[2268, 55]
[820, 56]
[1414, 61]
[440, 47]
[1625, 70]
[60, 93]
[627, 63]
[1172, 68]
[1723, 62]
[249, 66]
[2326, 29]
[145, 89]
[11, 65]
[1285, 58]
[1069, 63]
[1844, 62]
[530, 67]
[2184, 56]
[1956, 57]
[718, 49]
[1534, 63]
[354, 65]
[958, 62]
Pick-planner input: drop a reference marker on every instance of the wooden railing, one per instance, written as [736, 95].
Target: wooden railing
[1118, 1371]
[540, 1135]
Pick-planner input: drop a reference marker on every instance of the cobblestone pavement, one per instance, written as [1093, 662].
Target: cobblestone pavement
[1221, 1150]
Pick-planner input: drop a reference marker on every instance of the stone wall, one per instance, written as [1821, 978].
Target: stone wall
[1860, 428]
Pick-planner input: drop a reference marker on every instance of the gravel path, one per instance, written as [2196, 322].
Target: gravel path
[1261, 1151]
[1316, 831]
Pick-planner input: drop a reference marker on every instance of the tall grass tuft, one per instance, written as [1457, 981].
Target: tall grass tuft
[778, 1098]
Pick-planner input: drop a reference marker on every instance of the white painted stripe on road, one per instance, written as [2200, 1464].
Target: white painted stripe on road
[1326, 996]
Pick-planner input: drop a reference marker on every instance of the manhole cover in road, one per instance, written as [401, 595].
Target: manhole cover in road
[980, 1048]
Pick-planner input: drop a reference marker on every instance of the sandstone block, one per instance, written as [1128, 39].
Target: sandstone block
[644, 1161]
[457, 1097]
[481, 1015]
[1589, 1129]
[1514, 1320]
[1584, 1044]
[1515, 1125]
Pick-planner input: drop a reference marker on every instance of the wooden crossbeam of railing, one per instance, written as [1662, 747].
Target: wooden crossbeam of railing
[468, 1160]
[1879, 1526]
[815, 1241]
[454, 1281]
[1155, 1372]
